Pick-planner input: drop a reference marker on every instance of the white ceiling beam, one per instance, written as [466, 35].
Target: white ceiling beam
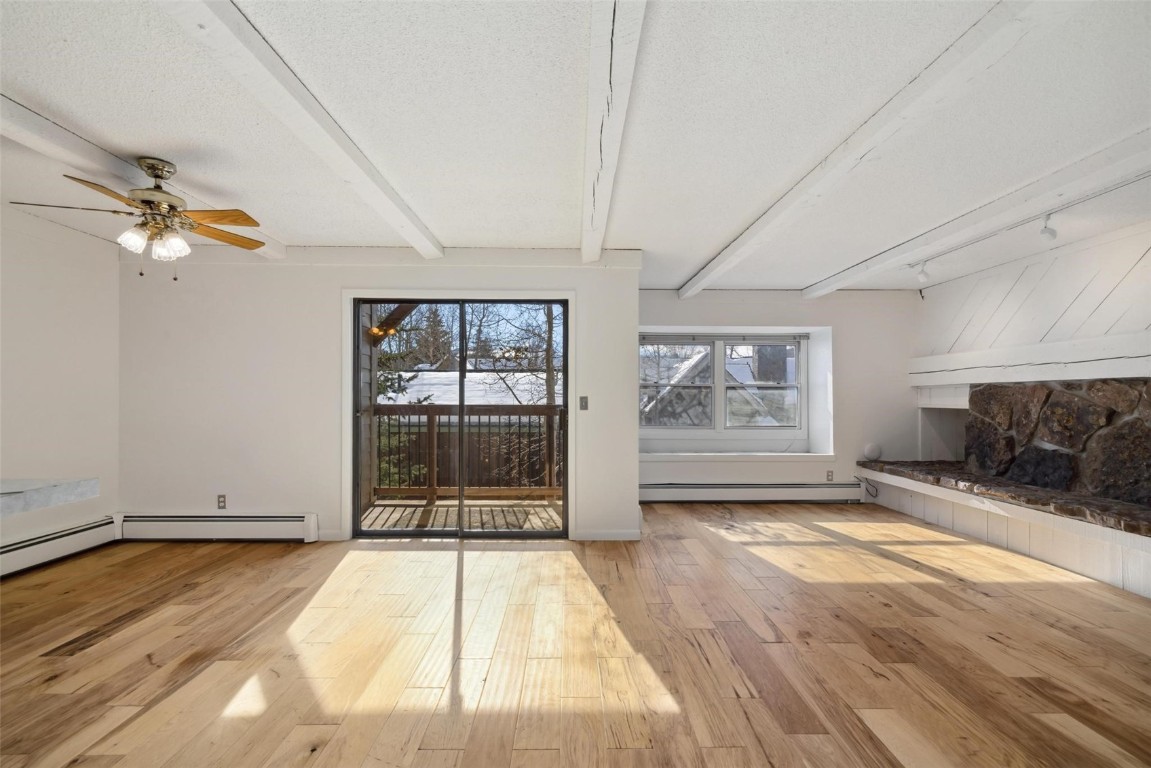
[224, 30]
[40, 134]
[1119, 165]
[945, 79]
[615, 30]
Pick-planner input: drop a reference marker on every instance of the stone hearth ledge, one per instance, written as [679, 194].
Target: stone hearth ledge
[18, 495]
[953, 475]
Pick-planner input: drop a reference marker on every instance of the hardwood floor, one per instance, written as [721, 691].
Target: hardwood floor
[731, 635]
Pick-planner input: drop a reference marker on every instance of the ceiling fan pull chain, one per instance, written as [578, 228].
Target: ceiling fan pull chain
[175, 271]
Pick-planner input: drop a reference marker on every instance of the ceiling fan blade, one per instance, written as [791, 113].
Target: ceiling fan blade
[231, 217]
[74, 208]
[227, 237]
[105, 191]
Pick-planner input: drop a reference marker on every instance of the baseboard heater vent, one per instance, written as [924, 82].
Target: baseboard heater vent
[837, 493]
[18, 555]
[204, 527]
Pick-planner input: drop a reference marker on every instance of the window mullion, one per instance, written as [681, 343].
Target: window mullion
[718, 396]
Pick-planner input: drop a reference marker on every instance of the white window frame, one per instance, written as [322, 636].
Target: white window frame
[720, 437]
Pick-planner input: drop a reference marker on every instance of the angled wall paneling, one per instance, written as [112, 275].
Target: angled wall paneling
[1079, 311]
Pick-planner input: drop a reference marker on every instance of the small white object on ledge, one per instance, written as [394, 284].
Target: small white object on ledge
[872, 451]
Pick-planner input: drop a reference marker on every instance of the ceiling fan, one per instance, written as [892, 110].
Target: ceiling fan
[163, 215]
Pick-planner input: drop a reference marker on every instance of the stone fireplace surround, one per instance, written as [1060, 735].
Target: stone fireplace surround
[1076, 449]
[1089, 437]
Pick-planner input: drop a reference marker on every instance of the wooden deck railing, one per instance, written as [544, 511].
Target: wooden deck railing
[512, 451]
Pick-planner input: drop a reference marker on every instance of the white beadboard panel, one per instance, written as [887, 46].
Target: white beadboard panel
[1065, 551]
[947, 516]
[1126, 308]
[936, 510]
[1101, 560]
[1019, 536]
[1112, 272]
[1042, 546]
[971, 521]
[994, 292]
[1114, 557]
[1084, 290]
[886, 496]
[1054, 293]
[913, 504]
[1023, 285]
[968, 312]
[1137, 571]
[997, 529]
[943, 397]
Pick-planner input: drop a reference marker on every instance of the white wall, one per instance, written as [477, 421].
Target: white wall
[59, 371]
[871, 335]
[1053, 307]
[236, 378]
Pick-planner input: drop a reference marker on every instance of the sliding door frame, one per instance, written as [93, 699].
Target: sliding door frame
[460, 532]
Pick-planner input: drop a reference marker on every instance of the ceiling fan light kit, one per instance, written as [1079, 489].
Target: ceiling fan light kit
[135, 239]
[163, 216]
[169, 246]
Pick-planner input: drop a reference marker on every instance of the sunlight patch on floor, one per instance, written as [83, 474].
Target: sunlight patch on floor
[888, 532]
[249, 701]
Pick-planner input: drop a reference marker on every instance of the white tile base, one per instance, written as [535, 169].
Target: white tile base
[1114, 557]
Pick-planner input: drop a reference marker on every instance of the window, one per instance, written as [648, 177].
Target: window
[675, 385]
[761, 385]
[756, 386]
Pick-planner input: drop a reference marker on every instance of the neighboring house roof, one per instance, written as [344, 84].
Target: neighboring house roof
[480, 388]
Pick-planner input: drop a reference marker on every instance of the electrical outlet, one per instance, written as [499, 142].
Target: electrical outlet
[830, 475]
[583, 402]
[221, 501]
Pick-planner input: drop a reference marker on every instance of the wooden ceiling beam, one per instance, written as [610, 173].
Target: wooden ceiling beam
[615, 31]
[946, 78]
[224, 31]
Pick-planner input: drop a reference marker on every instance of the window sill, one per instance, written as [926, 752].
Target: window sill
[735, 456]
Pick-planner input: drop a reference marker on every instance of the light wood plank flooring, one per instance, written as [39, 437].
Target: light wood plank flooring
[731, 635]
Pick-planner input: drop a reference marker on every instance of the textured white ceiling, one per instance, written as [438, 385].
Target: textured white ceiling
[734, 102]
[475, 113]
[123, 76]
[1060, 95]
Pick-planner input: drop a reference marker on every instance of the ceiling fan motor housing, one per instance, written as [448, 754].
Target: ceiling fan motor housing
[151, 195]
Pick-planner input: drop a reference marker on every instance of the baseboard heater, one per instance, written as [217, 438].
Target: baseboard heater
[18, 555]
[838, 493]
[302, 527]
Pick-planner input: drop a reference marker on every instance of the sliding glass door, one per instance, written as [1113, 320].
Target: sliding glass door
[461, 418]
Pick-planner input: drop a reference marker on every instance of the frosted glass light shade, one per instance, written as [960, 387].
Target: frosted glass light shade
[170, 246]
[135, 239]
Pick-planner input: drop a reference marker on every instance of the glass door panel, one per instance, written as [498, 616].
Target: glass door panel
[417, 397]
[514, 418]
